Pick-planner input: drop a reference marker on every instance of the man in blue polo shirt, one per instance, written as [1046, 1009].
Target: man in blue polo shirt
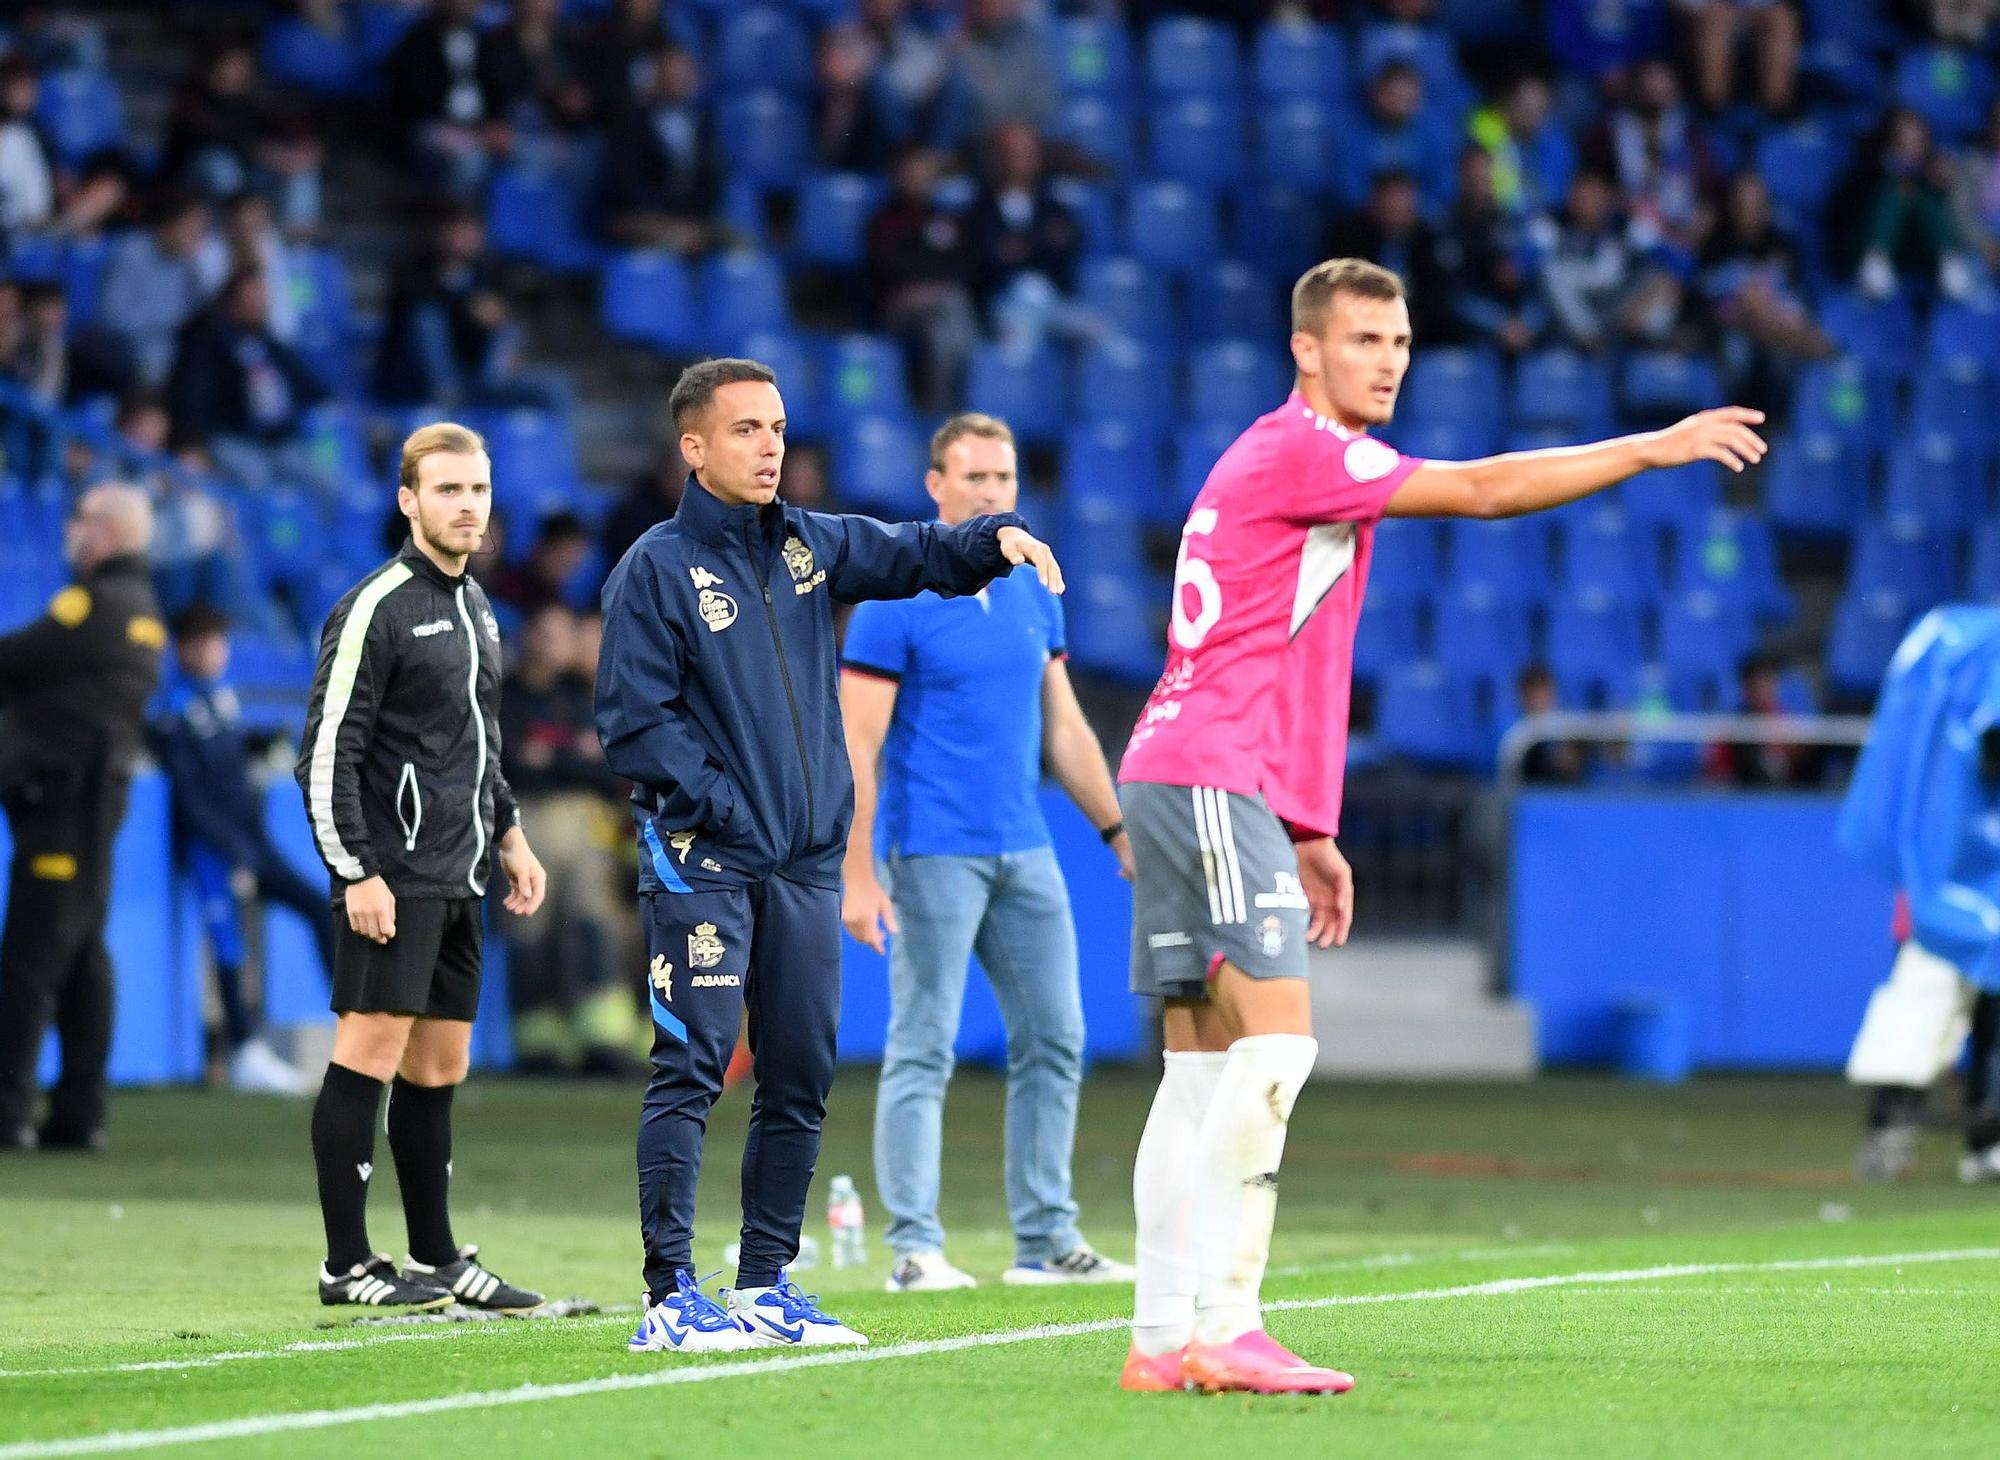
[961, 699]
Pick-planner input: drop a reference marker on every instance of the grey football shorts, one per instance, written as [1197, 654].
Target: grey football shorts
[1215, 877]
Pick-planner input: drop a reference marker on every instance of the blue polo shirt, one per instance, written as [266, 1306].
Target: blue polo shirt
[962, 765]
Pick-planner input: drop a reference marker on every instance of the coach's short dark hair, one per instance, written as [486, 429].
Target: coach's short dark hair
[695, 391]
[1312, 296]
[199, 620]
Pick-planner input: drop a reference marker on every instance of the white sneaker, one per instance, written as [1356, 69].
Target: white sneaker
[1081, 1264]
[784, 1317]
[926, 1272]
[1975, 1168]
[255, 1069]
[688, 1322]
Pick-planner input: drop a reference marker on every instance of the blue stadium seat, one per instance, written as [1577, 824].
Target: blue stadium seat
[1560, 388]
[1403, 565]
[284, 534]
[1235, 381]
[1121, 383]
[1965, 331]
[644, 296]
[1196, 448]
[81, 113]
[1108, 459]
[1867, 627]
[532, 450]
[1605, 553]
[862, 374]
[741, 291]
[768, 139]
[1661, 386]
[1801, 164]
[1675, 497]
[1170, 226]
[1982, 574]
[763, 45]
[1593, 635]
[1095, 208]
[1937, 482]
[878, 467]
[1951, 87]
[1439, 438]
[1229, 300]
[535, 214]
[1508, 556]
[1272, 226]
[1190, 57]
[834, 208]
[790, 358]
[1702, 632]
[332, 434]
[1092, 56]
[1457, 383]
[1195, 140]
[1129, 295]
[1906, 558]
[1956, 398]
[1733, 554]
[1390, 634]
[1841, 398]
[1100, 129]
[1427, 49]
[1024, 390]
[1427, 714]
[1110, 619]
[1878, 334]
[1297, 61]
[297, 54]
[1299, 145]
[1481, 632]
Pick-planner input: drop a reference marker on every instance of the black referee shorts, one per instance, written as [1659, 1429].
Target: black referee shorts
[430, 968]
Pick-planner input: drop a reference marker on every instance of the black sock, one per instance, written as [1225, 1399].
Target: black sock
[343, 1138]
[420, 1140]
[235, 1015]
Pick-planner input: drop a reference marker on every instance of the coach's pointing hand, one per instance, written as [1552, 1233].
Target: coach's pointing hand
[1020, 547]
[526, 881]
[1722, 435]
[371, 910]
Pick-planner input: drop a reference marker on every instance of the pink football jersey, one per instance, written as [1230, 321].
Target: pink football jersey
[1267, 593]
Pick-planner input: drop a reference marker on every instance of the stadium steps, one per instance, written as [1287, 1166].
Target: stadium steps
[1416, 1009]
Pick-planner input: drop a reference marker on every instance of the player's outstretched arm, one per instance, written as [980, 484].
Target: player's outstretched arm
[1521, 482]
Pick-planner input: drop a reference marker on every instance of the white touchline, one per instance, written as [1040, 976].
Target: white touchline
[320, 1419]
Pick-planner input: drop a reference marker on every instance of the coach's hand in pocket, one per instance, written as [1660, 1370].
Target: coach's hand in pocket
[371, 909]
[526, 881]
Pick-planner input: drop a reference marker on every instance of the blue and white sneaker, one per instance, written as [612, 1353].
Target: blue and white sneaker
[1081, 1264]
[688, 1322]
[784, 1317]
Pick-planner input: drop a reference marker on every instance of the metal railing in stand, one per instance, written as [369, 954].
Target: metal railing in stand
[1839, 732]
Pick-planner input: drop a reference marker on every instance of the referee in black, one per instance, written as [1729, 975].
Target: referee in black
[73, 692]
[401, 773]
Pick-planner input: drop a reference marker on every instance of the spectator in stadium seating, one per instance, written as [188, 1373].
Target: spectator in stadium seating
[1005, 66]
[663, 167]
[1768, 29]
[1755, 287]
[562, 543]
[1391, 231]
[858, 122]
[534, 71]
[914, 67]
[1600, 40]
[27, 176]
[1773, 761]
[1665, 169]
[248, 237]
[1400, 135]
[916, 272]
[573, 1009]
[650, 499]
[1597, 289]
[1022, 244]
[241, 393]
[152, 286]
[441, 89]
[1533, 159]
[226, 133]
[449, 336]
[1487, 292]
[805, 480]
[1976, 197]
[1959, 22]
[1891, 214]
[1548, 762]
[605, 51]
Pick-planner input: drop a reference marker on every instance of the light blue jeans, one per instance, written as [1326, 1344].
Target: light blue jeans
[1013, 910]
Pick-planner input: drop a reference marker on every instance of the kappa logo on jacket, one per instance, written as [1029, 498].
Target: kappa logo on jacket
[663, 977]
[703, 578]
[682, 842]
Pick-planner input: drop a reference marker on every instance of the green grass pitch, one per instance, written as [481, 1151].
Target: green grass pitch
[1704, 1279]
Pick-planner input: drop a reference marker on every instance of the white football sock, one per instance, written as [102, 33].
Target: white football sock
[1163, 1199]
[1236, 1178]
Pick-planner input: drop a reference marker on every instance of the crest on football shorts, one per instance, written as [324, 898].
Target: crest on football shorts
[663, 977]
[704, 948]
[682, 842]
[1271, 936]
[718, 610]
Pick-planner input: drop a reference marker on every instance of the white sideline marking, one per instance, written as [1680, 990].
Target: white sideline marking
[320, 1419]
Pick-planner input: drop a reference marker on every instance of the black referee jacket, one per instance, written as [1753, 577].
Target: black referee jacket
[401, 761]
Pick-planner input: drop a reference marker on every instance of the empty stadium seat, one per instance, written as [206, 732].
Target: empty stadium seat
[1982, 574]
[863, 374]
[1935, 481]
[644, 296]
[1965, 331]
[767, 137]
[1229, 300]
[1170, 226]
[1800, 164]
[1186, 56]
[1196, 141]
[1024, 390]
[1127, 294]
[1118, 382]
[1298, 61]
[81, 113]
[1092, 56]
[1273, 225]
[1733, 554]
[1593, 634]
[1906, 558]
[1842, 398]
[1299, 145]
[742, 290]
[1878, 334]
[878, 467]
[1661, 386]
[1674, 497]
[834, 208]
[1605, 553]
[1428, 714]
[763, 45]
[1456, 383]
[1562, 389]
[1950, 86]
[1508, 556]
[1235, 382]
[1956, 398]
[1702, 632]
[1403, 565]
[1867, 627]
[1110, 621]
[1447, 438]
[1196, 448]
[1389, 634]
[532, 449]
[1480, 632]
[1108, 459]
[1100, 129]
[1816, 482]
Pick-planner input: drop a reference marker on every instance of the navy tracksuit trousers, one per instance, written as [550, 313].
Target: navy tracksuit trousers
[774, 947]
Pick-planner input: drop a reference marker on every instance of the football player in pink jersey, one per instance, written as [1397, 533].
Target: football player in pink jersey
[1231, 793]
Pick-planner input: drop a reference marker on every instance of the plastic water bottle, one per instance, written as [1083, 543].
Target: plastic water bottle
[847, 1223]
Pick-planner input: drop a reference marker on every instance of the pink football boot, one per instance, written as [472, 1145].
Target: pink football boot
[1256, 1363]
[1152, 1373]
